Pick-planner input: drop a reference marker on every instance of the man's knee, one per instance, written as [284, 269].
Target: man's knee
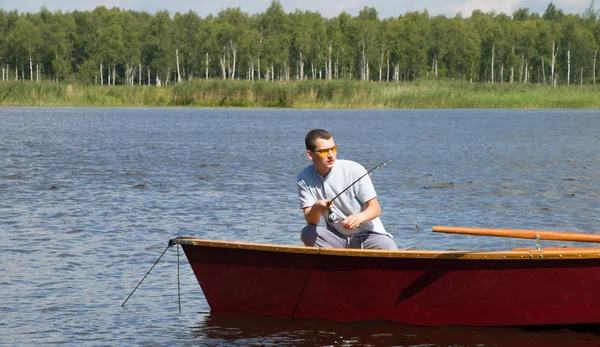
[316, 236]
[388, 244]
[309, 235]
[381, 242]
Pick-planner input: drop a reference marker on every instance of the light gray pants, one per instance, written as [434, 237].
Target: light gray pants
[318, 236]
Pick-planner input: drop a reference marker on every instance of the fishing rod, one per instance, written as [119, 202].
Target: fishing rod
[331, 217]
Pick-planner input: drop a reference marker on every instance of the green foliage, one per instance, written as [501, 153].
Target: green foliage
[148, 49]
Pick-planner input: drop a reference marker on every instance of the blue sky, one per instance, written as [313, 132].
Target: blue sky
[330, 8]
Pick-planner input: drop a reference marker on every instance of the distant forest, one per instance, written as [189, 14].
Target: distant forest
[123, 47]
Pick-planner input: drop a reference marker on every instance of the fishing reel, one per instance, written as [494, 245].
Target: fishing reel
[332, 217]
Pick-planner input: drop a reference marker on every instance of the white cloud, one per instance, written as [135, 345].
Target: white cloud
[331, 8]
[467, 8]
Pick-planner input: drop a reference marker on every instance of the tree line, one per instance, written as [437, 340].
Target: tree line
[124, 47]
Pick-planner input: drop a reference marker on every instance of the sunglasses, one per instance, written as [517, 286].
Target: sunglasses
[325, 151]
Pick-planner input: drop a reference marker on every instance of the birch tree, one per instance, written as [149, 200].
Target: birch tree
[208, 47]
[186, 32]
[440, 44]
[319, 43]
[276, 40]
[334, 41]
[231, 24]
[111, 48]
[409, 36]
[367, 23]
[24, 43]
[158, 51]
[347, 51]
[300, 40]
[55, 53]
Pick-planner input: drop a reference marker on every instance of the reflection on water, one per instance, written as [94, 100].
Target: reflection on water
[254, 330]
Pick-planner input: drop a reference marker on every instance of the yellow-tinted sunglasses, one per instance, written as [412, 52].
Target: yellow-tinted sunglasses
[325, 151]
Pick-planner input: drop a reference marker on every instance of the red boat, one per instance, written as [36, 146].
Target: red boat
[537, 286]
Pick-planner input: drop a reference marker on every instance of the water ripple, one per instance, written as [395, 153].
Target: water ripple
[91, 196]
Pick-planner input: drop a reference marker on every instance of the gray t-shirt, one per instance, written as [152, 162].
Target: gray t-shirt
[313, 187]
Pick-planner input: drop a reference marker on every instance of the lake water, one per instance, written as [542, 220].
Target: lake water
[89, 198]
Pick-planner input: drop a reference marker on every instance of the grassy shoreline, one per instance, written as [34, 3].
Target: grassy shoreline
[304, 94]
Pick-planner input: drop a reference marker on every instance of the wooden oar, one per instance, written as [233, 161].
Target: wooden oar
[522, 234]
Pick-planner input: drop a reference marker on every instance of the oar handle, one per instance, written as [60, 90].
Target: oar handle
[521, 234]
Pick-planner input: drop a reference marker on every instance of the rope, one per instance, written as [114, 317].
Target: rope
[171, 243]
[301, 293]
[178, 282]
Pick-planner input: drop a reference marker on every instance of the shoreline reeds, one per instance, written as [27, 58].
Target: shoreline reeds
[422, 94]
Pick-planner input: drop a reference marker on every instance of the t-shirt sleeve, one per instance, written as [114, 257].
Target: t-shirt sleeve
[365, 190]
[306, 198]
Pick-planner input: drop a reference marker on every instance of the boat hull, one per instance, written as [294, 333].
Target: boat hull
[430, 289]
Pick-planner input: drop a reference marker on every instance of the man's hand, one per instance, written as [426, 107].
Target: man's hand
[322, 205]
[313, 213]
[352, 222]
[371, 212]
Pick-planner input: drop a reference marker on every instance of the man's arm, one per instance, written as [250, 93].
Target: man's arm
[372, 211]
[312, 214]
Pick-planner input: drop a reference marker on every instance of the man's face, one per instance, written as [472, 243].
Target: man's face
[323, 157]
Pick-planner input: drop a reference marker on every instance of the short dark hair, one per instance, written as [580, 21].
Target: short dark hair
[312, 136]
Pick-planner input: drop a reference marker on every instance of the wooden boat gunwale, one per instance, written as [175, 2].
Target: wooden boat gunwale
[515, 254]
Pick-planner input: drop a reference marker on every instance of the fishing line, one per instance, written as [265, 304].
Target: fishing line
[331, 217]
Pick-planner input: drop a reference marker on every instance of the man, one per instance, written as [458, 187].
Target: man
[355, 222]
